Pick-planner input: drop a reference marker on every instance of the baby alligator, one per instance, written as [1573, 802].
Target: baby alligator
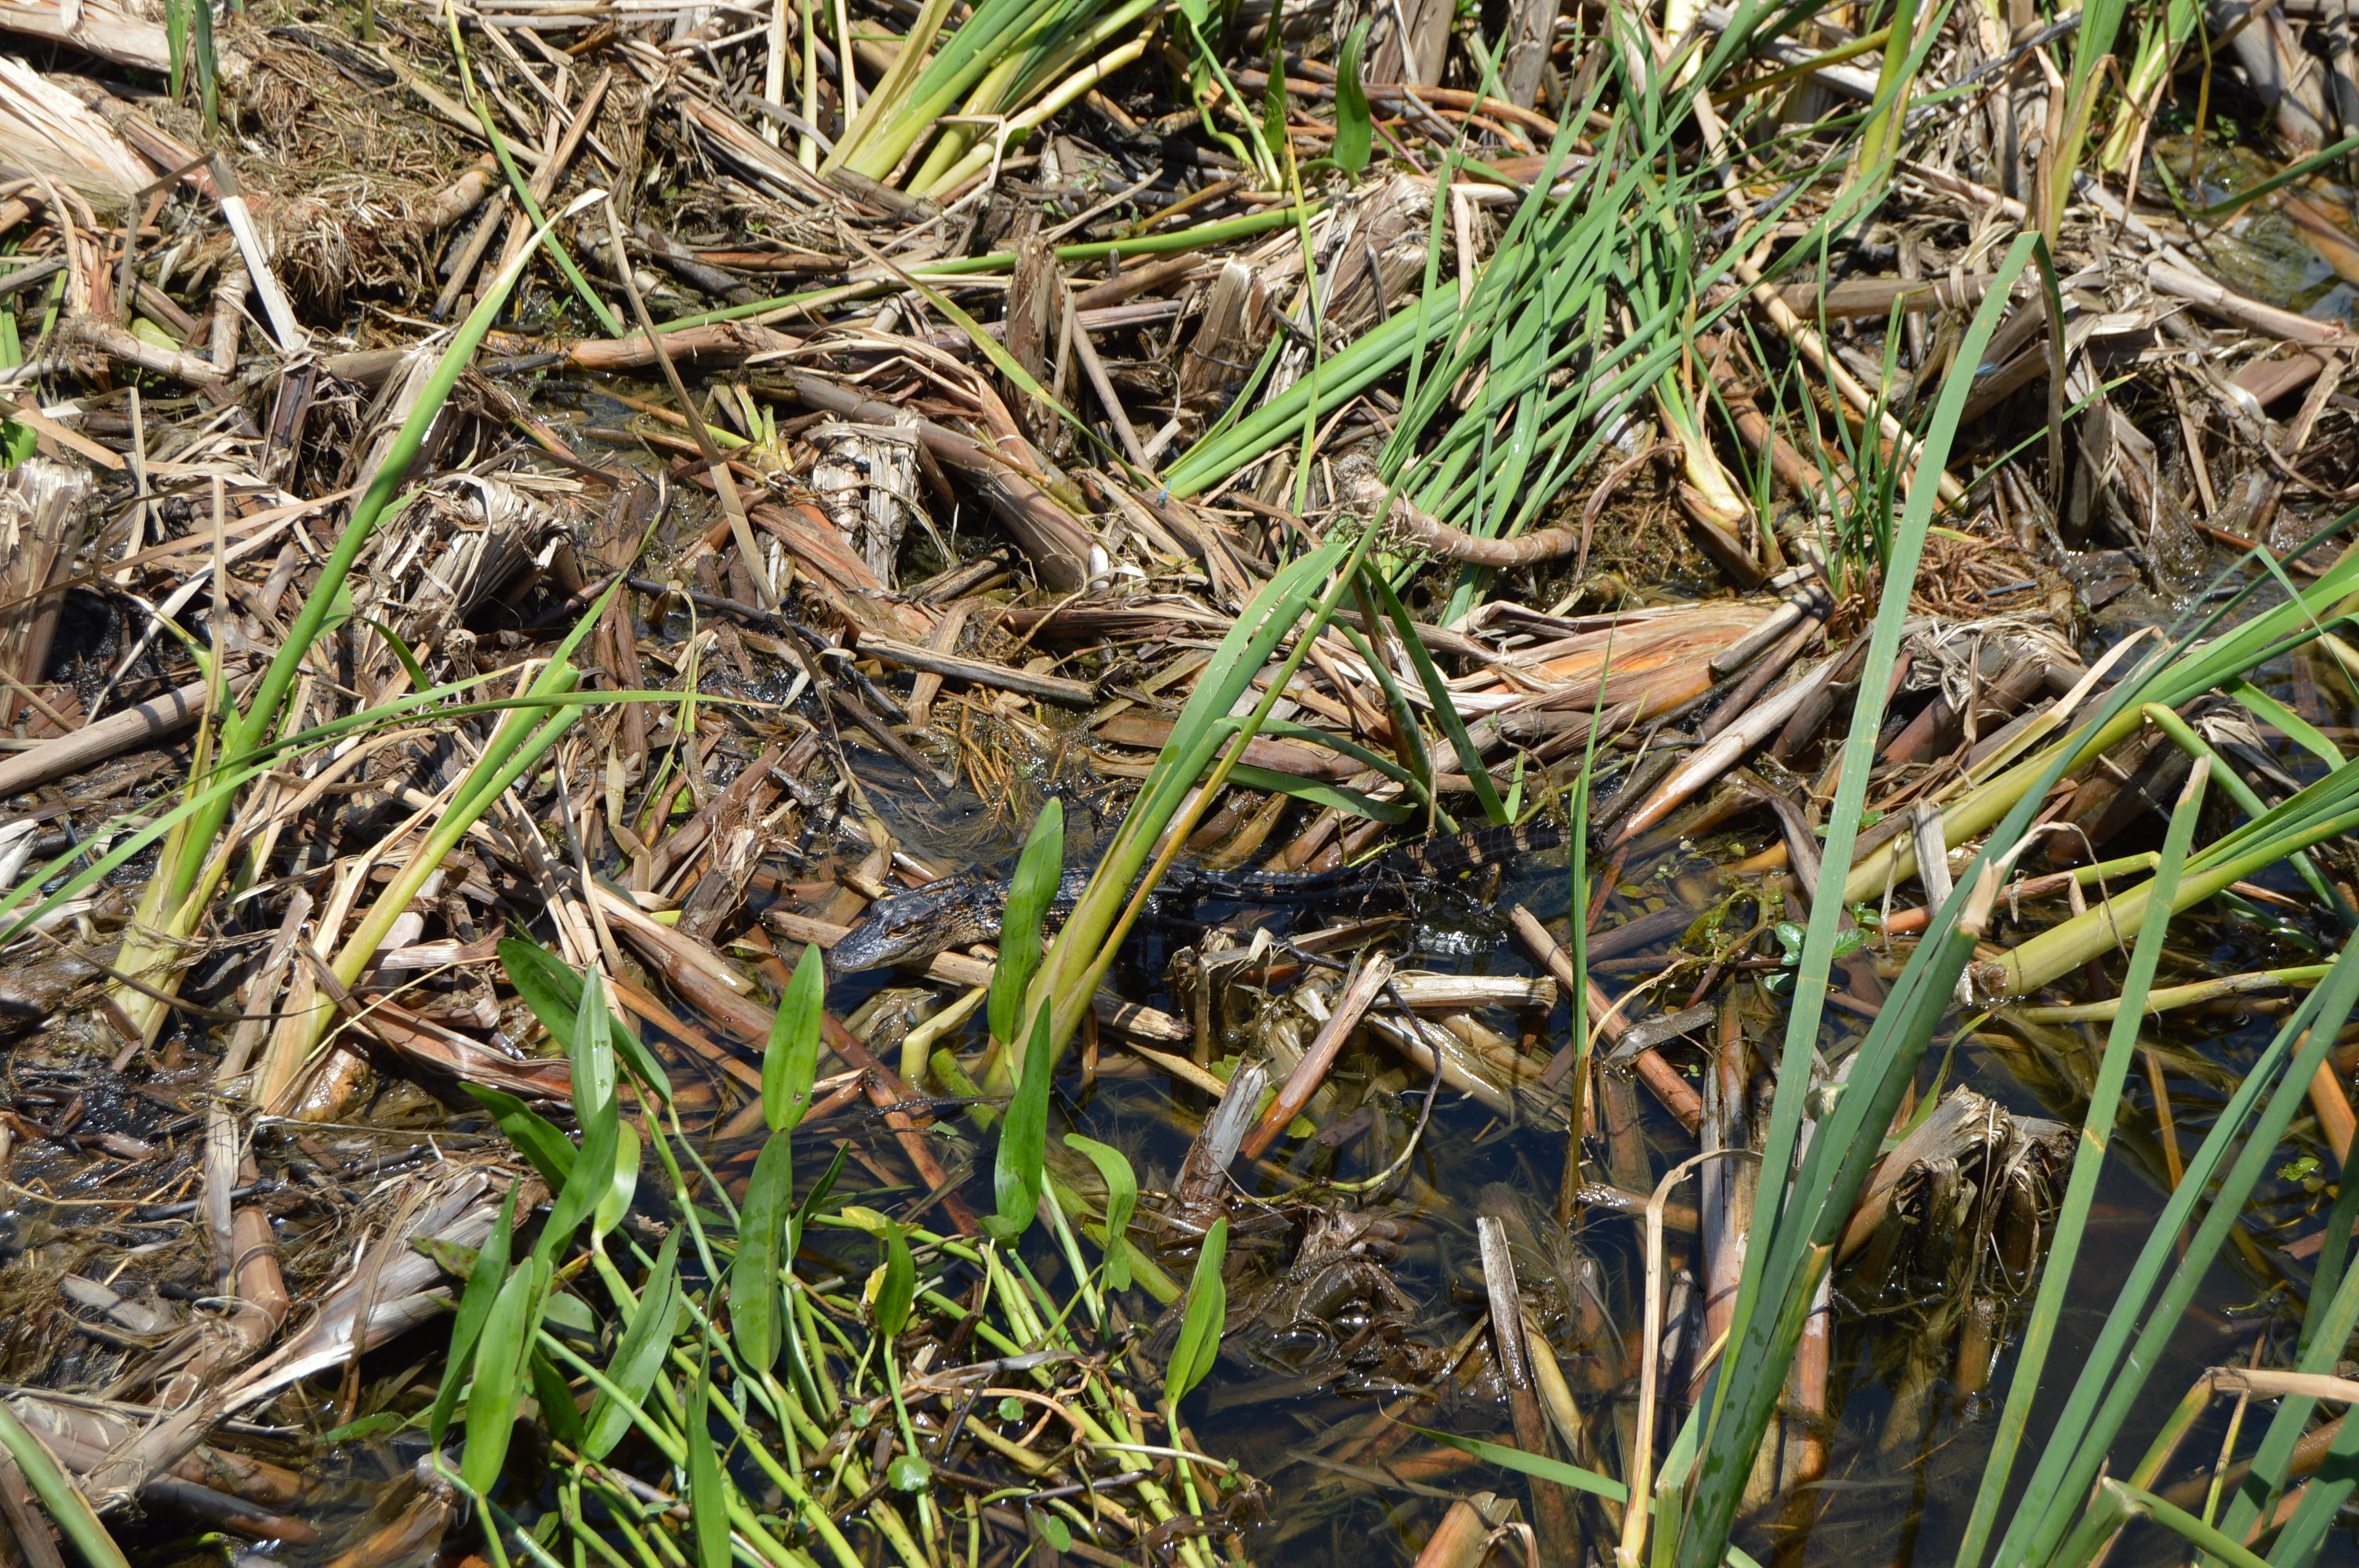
[961, 909]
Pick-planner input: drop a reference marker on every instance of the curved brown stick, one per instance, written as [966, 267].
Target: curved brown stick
[1428, 532]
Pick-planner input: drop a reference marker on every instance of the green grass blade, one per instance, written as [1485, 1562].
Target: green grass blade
[2138, 1329]
[1437, 691]
[1743, 1388]
[68, 1509]
[2088, 1164]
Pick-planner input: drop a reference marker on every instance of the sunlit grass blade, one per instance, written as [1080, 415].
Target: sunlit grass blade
[172, 903]
[68, 1509]
[2159, 1285]
[1780, 1257]
[2088, 1165]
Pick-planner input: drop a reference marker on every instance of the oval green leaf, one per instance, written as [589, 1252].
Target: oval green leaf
[790, 1065]
[754, 1275]
[1029, 896]
[1122, 1202]
[1023, 1139]
[1199, 1344]
[647, 1337]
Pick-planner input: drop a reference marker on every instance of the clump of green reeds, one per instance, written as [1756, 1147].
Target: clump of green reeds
[772, 1342]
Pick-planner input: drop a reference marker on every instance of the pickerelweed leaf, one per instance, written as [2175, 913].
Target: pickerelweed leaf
[549, 1152]
[589, 1183]
[708, 1505]
[616, 1204]
[485, 1275]
[898, 1288]
[1354, 124]
[591, 1053]
[1024, 1139]
[791, 1064]
[1122, 1201]
[551, 988]
[647, 1337]
[1029, 896]
[559, 1414]
[496, 1389]
[754, 1275]
[1199, 1344]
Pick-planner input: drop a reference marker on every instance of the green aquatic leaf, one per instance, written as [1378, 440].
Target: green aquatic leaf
[496, 1389]
[754, 1276]
[549, 1152]
[1198, 1345]
[559, 1414]
[647, 1337]
[1122, 1201]
[791, 1064]
[708, 1504]
[900, 1287]
[1016, 1172]
[1354, 124]
[615, 1206]
[551, 988]
[1529, 1464]
[591, 1182]
[1029, 896]
[485, 1275]
[591, 1052]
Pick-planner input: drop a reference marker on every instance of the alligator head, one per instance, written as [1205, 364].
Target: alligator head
[908, 927]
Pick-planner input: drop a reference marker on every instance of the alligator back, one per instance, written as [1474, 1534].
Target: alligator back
[961, 909]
